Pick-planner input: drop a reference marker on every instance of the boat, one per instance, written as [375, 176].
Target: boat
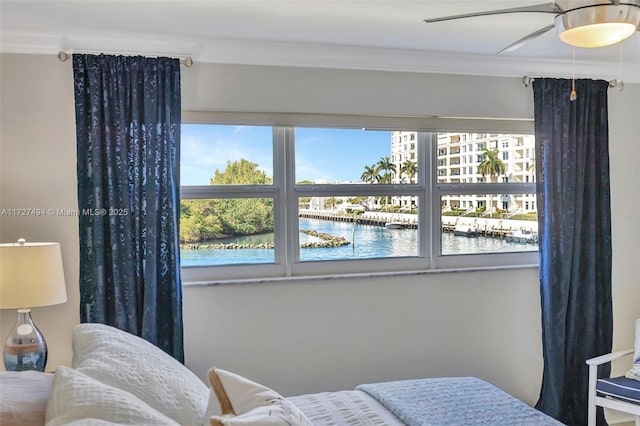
[394, 225]
[465, 230]
[522, 236]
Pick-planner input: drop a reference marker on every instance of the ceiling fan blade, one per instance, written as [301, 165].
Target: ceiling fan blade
[526, 39]
[550, 7]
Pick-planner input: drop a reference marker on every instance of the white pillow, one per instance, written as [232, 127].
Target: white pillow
[243, 402]
[77, 398]
[128, 362]
[634, 373]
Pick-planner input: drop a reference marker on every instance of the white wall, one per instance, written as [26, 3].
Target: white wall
[308, 90]
[333, 334]
[38, 170]
[306, 336]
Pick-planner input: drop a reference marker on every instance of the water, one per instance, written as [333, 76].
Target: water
[32, 360]
[370, 242]
[452, 245]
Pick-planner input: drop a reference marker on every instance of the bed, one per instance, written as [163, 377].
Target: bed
[443, 401]
[118, 378]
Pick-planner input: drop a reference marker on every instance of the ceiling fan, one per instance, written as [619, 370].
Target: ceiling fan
[593, 23]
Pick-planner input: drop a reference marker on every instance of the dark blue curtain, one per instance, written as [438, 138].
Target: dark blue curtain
[128, 147]
[572, 168]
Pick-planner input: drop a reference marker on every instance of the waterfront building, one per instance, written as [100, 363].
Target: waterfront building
[458, 157]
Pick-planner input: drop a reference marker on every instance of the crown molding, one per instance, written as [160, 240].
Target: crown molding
[313, 55]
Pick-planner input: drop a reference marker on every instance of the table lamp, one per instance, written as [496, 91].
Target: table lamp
[31, 275]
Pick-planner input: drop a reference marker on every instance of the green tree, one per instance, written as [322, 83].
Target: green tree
[247, 216]
[206, 220]
[370, 174]
[244, 216]
[242, 172]
[357, 200]
[491, 165]
[409, 169]
[386, 169]
[331, 203]
[199, 221]
[303, 202]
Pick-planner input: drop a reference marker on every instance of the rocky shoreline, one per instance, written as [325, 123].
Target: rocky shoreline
[328, 241]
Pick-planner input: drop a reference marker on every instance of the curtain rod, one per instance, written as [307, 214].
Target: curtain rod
[527, 80]
[64, 57]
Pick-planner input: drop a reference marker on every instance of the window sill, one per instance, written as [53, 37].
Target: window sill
[310, 278]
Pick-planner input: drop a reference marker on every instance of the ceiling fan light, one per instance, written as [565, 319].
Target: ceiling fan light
[597, 26]
[597, 35]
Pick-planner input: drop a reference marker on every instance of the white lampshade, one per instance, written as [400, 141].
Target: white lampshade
[31, 275]
[598, 26]
[597, 35]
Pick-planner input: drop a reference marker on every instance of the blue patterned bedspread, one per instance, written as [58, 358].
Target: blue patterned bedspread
[465, 401]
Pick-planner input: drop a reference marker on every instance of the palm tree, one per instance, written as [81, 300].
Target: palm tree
[409, 168]
[491, 165]
[370, 174]
[387, 168]
[331, 203]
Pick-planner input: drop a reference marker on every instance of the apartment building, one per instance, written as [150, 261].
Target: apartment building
[458, 157]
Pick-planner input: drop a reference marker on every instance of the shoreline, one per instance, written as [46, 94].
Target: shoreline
[483, 227]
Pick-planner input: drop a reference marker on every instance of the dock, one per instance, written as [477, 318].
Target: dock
[363, 219]
[486, 227]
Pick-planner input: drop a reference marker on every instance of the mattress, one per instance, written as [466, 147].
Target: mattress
[344, 408]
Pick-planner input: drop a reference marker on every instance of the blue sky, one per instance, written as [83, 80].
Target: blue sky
[330, 154]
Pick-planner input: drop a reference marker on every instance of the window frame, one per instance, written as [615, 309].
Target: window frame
[426, 188]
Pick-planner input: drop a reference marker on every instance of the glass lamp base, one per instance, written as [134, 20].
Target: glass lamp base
[25, 348]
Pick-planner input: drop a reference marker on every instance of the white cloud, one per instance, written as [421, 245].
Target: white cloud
[202, 152]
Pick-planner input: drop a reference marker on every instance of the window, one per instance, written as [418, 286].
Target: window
[228, 195]
[262, 201]
[494, 214]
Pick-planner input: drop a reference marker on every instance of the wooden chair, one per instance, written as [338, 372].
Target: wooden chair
[617, 393]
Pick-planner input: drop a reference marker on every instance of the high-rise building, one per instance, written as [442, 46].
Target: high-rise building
[458, 157]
